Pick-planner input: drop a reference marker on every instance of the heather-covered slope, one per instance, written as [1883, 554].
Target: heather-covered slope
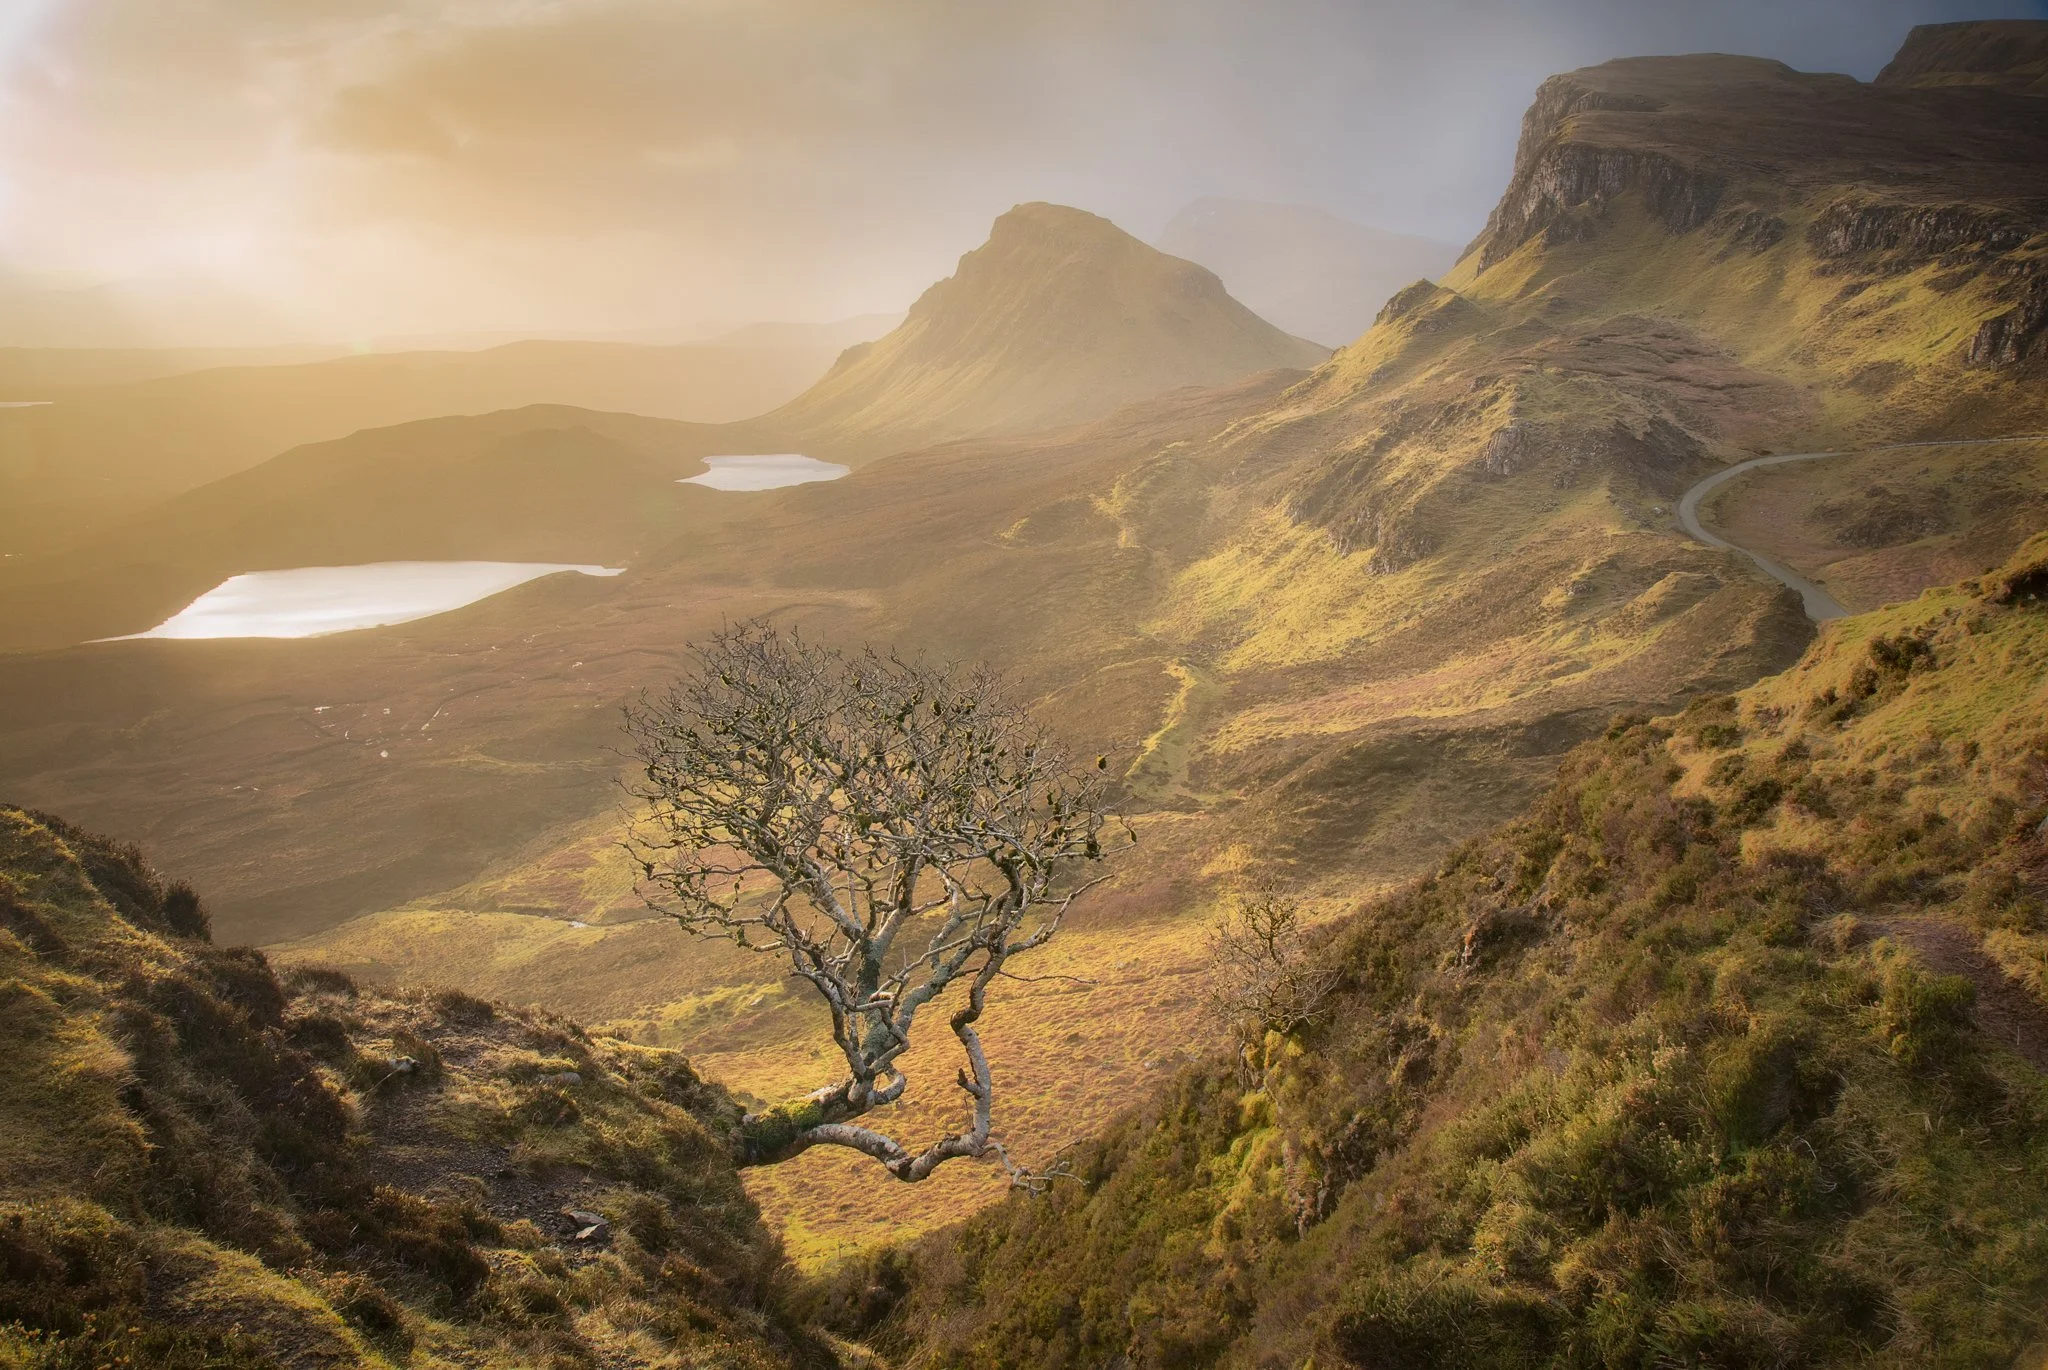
[1729, 1051]
[1331, 624]
[1058, 318]
[201, 1165]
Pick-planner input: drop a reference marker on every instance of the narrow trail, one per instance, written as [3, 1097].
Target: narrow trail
[1820, 605]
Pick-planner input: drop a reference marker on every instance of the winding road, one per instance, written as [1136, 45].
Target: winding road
[1820, 605]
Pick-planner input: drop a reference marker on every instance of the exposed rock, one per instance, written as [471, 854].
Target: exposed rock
[1754, 230]
[590, 1227]
[1555, 175]
[1408, 300]
[1567, 176]
[2018, 335]
[1850, 227]
[1507, 449]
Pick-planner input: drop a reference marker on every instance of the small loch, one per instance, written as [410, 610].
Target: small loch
[767, 472]
[311, 601]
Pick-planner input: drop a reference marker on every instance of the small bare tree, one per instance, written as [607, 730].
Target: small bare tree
[1266, 979]
[887, 829]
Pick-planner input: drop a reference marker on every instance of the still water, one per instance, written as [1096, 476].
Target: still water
[308, 601]
[770, 472]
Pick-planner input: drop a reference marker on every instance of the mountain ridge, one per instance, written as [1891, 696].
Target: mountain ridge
[1056, 319]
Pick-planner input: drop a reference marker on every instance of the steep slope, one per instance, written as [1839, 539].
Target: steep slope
[208, 1167]
[2010, 55]
[1326, 626]
[1732, 1050]
[1305, 269]
[1058, 318]
[96, 453]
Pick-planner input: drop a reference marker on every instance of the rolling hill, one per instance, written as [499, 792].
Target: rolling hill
[99, 453]
[544, 483]
[1058, 318]
[1307, 270]
[1328, 626]
[1730, 1050]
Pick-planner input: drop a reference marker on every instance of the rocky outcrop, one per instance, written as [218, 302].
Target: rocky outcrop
[1408, 300]
[1752, 230]
[1555, 174]
[1506, 450]
[1849, 227]
[2017, 336]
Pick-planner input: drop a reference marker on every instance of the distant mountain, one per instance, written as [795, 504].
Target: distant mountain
[1303, 268]
[1059, 318]
[148, 312]
[839, 333]
[2009, 55]
[100, 452]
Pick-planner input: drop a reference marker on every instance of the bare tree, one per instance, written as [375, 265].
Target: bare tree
[1266, 979]
[884, 827]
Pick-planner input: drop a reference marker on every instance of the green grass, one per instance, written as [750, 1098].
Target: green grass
[208, 1166]
[1664, 1071]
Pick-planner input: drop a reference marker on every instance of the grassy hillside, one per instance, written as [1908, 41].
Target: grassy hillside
[1058, 318]
[1876, 527]
[1327, 625]
[103, 451]
[1730, 1051]
[207, 1166]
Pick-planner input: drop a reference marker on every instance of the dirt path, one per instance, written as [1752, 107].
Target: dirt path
[2003, 1009]
[1820, 605]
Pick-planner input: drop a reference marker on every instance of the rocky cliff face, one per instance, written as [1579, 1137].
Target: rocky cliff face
[1936, 168]
[1556, 174]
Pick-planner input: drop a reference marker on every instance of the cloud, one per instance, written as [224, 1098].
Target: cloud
[403, 164]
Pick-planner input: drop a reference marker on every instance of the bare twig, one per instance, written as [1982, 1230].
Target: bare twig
[885, 828]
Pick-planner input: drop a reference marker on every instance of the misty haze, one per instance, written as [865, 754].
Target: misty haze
[1203, 686]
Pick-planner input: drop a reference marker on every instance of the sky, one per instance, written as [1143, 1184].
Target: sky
[336, 170]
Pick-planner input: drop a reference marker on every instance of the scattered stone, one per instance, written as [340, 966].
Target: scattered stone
[562, 1077]
[590, 1227]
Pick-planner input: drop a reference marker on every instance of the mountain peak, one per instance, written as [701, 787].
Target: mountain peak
[2009, 54]
[1058, 318]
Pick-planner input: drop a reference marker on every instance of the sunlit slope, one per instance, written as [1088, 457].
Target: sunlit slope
[543, 483]
[209, 1166]
[1731, 1048]
[1880, 526]
[101, 451]
[1341, 624]
[1058, 318]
